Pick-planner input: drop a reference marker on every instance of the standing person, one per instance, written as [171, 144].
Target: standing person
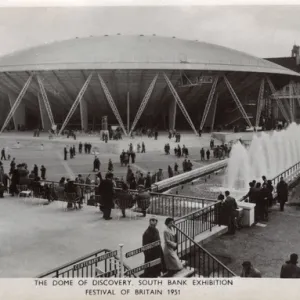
[202, 154]
[170, 171]
[36, 171]
[249, 270]
[143, 148]
[148, 181]
[106, 190]
[3, 154]
[65, 153]
[290, 268]
[43, 172]
[229, 209]
[282, 193]
[80, 148]
[207, 154]
[172, 261]
[124, 199]
[151, 235]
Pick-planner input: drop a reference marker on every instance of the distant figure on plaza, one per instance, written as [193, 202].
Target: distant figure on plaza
[3, 154]
[151, 235]
[65, 153]
[42, 147]
[207, 154]
[96, 164]
[249, 271]
[170, 171]
[143, 148]
[290, 268]
[110, 166]
[282, 193]
[172, 261]
[202, 154]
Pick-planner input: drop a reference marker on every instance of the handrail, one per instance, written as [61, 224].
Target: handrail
[187, 197]
[69, 264]
[195, 244]
[198, 211]
[242, 199]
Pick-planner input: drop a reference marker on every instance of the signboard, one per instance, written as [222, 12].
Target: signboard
[108, 274]
[143, 267]
[95, 260]
[142, 249]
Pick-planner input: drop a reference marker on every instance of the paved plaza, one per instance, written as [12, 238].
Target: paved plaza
[35, 238]
[52, 156]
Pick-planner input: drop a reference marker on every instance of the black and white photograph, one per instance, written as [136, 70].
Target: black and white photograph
[150, 143]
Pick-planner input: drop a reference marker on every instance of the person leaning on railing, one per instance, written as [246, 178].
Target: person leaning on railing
[124, 199]
[143, 199]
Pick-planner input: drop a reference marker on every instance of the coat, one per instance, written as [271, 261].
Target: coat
[282, 191]
[289, 270]
[151, 235]
[124, 199]
[143, 200]
[171, 259]
[106, 190]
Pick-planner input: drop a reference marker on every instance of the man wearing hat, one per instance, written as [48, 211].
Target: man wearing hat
[151, 235]
[249, 270]
[290, 268]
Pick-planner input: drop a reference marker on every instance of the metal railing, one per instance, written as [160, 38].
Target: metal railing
[160, 204]
[199, 221]
[88, 266]
[199, 260]
[289, 175]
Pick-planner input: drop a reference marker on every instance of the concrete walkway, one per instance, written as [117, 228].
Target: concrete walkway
[36, 238]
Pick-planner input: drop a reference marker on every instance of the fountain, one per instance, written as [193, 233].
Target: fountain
[269, 154]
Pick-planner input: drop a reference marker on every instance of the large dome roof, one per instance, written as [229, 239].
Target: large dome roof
[136, 52]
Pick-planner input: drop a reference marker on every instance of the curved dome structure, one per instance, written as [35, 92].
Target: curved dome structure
[127, 65]
[136, 52]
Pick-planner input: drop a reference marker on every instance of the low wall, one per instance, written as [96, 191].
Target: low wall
[169, 183]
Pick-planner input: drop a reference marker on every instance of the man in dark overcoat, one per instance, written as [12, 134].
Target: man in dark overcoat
[282, 193]
[151, 235]
[106, 191]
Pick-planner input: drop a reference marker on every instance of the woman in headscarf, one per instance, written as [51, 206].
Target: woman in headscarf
[172, 261]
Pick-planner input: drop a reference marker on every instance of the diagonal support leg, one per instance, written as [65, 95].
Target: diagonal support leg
[208, 102]
[296, 93]
[144, 103]
[17, 102]
[76, 102]
[179, 102]
[292, 102]
[237, 101]
[279, 104]
[260, 102]
[112, 103]
[41, 111]
[214, 112]
[46, 101]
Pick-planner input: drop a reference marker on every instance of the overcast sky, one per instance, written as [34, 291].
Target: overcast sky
[264, 31]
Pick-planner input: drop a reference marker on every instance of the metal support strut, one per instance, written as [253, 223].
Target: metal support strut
[237, 101]
[296, 93]
[292, 102]
[260, 102]
[179, 102]
[46, 101]
[209, 101]
[214, 112]
[76, 102]
[112, 104]
[17, 103]
[144, 103]
[279, 104]
[41, 111]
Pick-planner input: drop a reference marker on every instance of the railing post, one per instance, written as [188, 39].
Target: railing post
[121, 261]
[173, 207]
